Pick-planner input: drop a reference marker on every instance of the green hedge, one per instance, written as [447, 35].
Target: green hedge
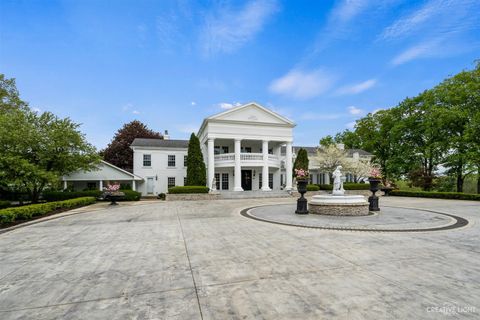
[347, 186]
[188, 189]
[4, 204]
[438, 195]
[10, 215]
[65, 195]
[312, 187]
[131, 195]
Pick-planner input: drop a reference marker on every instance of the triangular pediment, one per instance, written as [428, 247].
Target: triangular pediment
[252, 112]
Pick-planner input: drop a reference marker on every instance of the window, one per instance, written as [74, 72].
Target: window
[224, 181]
[259, 181]
[246, 149]
[171, 160]
[270, 151]
[220, 149]
[281, 179]
[270, 180]
[147, 160]
[184, 161]
[91, 185]
[217, 181]
[171, 182]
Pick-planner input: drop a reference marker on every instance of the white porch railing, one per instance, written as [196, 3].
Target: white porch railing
[251, 156]
[247, 158]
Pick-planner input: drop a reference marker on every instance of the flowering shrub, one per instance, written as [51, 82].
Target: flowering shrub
[112, 188]
[301, 173]
[375, 173]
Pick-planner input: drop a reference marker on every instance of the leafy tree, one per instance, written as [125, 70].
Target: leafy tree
[329, 157]
[359, 168]
[327, 141]
[118, 151]
[349, 138]
[421, 132]
[196, 171]
[37, 149]
[378, 136]
[460, 97]
[301, 161]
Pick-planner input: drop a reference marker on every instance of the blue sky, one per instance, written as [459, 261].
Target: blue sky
[169, 64]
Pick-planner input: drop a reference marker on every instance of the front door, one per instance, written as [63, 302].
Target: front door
[149, 185]
[247, 179]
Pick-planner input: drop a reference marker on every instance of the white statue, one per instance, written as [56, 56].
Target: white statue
[338, 182]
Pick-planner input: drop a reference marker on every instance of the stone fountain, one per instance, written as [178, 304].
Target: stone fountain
[339, 204]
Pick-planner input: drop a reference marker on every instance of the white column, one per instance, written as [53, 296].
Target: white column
[211, 162]
[65, 184]
[288, 166]
[265, 186]
[134, 185]
[100, 185]
[238, 166]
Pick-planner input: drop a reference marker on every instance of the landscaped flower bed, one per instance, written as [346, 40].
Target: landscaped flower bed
[11, 215]
[130, 195]
[438, 195]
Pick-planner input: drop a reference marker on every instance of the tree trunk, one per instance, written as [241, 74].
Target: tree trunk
[460, 183]
[478, 179]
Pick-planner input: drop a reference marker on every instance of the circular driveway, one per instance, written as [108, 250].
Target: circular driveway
[203, 260]
[389, 219]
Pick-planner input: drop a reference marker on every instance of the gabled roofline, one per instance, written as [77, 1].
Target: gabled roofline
[121, 170]
[234, 109]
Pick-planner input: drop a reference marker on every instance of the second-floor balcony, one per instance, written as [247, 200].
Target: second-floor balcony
[246, 159]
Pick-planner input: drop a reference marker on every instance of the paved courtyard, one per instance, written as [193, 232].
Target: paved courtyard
[204, 260]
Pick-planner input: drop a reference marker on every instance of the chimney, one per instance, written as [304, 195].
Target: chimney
[166, 136]
[341, 146]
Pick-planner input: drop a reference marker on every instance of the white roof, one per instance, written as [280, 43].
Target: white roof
[104, 171]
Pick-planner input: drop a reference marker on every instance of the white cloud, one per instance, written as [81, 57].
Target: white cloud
[435, 18]
[193, 103]
[303, 84]
[358, 87]
[354, 110]
[422, 50]
[136, 112]
[348, 9]
[38, 110]
[227, 30]
[227, 105]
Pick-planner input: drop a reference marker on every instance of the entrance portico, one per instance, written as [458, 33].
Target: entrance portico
[245, 143]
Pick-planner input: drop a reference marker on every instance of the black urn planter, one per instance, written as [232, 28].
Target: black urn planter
[302, 202]
[114, 197]
[373, 199]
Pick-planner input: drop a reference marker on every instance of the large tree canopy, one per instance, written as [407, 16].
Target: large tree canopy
[118, 151]
[37, 149]
[196, 172]
[437, 128]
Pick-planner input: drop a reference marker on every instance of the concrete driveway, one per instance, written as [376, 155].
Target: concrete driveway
[203, 260]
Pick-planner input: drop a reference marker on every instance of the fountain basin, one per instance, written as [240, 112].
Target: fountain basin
[339, 205]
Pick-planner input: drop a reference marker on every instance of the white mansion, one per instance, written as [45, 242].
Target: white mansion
[248, 147]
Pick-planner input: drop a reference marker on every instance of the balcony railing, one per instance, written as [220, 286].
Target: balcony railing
[229, 158]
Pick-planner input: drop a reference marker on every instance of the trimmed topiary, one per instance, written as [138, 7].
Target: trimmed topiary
[312, 187]
[196, 170]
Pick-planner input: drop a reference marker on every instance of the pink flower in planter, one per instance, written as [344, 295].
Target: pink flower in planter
[112, 187]
[301, 173]
[375, 173]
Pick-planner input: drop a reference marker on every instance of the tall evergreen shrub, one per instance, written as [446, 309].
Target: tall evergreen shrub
[196, 171]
